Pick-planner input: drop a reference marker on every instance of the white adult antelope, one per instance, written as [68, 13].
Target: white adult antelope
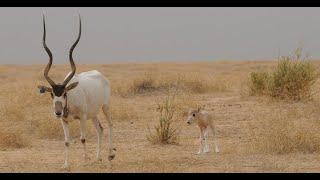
[80, 96]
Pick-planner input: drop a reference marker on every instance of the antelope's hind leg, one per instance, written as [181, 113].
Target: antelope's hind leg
[83, 136]
[213, 128]
[99, 130]
[106, 111]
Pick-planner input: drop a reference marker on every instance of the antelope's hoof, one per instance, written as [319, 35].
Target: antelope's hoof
[206, 151]
[217, 151]
[65, 167]
[110, 157]
[99, 159]
[86, 158]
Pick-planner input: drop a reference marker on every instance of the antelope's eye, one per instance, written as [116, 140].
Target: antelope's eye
[65, 95]
[51, 95]
[193, 115]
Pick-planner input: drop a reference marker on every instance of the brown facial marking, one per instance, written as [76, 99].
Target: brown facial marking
[58, 90]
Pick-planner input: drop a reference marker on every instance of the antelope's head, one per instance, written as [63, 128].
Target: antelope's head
[193, 115]
[59, 91]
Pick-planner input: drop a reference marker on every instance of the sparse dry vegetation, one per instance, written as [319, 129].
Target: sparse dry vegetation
[285, 132]
[255, 135]
[150, 82]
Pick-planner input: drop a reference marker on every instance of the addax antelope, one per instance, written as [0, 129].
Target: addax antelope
[79, 96]
[205, 122]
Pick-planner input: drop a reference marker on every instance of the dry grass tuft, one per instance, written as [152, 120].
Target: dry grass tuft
[164, 132]
[280, 134]
[13, 112]
[121, 110]
[11, 138]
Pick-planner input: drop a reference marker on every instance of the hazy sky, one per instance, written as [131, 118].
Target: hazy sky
[157, 34]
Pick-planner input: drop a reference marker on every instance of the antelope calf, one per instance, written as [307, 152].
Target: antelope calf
[204, 121]
[79, 96]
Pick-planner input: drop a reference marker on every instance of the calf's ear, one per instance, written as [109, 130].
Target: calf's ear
[72, 85]
[185, 112]
[199, 108]
[44, 89]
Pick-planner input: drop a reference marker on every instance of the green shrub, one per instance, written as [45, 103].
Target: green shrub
[259, 83]
[291, 79]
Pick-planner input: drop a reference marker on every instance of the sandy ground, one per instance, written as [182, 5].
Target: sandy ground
[135, 154]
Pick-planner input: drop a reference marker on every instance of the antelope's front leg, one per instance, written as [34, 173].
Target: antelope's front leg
[83, 136]
[201, 138]
[206, 145]
[65, 126]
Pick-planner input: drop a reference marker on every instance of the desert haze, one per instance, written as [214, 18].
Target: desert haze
[255, 133]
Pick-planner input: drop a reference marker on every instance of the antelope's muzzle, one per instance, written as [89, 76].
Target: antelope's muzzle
[58, 108]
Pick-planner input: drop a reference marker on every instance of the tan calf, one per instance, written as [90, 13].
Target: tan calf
[205, 122]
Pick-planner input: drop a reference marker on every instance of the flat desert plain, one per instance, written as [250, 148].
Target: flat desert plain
[255, 133]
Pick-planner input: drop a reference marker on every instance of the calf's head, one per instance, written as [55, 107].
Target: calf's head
[193, 115]
[59, 91]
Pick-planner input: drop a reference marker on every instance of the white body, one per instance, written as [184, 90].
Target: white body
[90, 95]
[84, 102]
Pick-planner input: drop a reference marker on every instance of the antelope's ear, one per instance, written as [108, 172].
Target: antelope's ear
[72, 85]
[199, 108]
[44, 89]
[185, 112]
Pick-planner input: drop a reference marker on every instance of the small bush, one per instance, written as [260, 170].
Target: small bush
[12, 139]
[164, 132]
[291, 79]
[139, 85]
[259, 83]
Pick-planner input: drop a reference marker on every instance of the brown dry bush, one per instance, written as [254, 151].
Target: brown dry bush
[11, 138]
[160, 82]
[200, 83]
[143, 84]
